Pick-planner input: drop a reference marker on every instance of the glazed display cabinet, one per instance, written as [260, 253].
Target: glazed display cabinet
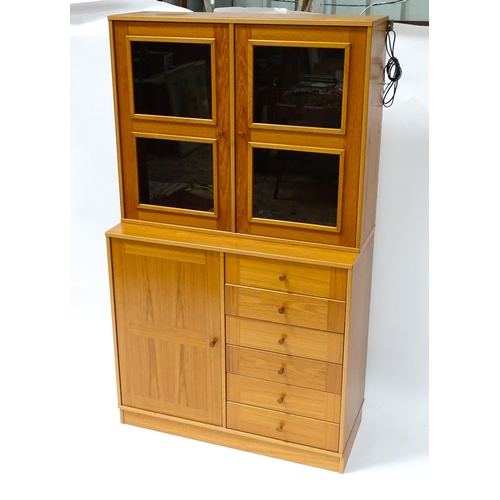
[248, 151]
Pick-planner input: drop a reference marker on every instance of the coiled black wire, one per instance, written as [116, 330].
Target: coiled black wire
[392, 70]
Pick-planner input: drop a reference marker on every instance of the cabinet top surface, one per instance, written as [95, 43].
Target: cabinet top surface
[295, 18]
[221, 241]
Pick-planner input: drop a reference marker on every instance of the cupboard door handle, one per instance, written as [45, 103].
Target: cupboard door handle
[281, 399]
[221, 133]
[281, 310]
[280, 426]
[212, 344]
[241, 134]
[281, 371]
[282, 277]
[281, 341]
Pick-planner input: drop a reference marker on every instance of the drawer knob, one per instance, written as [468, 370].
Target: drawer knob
[281, 341]
[280, 426]
[282, 277]
[281, 310]
[281, 371]
[212, 344]
[281, 399]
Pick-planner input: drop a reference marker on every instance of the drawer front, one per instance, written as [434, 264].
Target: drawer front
[285, 398]
[285, 339]
[278, 425]
[286, 276]
[284, 369]
[285, 308]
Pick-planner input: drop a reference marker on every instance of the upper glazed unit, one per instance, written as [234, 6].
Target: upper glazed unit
[267, 125]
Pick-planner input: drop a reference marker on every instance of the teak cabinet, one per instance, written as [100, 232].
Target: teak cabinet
[240, 273]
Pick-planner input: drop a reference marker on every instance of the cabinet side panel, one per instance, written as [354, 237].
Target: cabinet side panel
[371, 153]
[113, 316]
[126, 146]
[114, 78]
[356, 340]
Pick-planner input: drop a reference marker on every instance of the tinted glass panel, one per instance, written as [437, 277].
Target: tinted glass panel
[176, 174]
[295, 186]
[172, 79]
[298, 86]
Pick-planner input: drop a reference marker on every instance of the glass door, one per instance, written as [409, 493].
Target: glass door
[173, 106]
[299, 85]
[299, 113]
[296, 185]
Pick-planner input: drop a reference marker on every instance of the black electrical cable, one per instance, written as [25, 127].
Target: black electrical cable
[393, 70]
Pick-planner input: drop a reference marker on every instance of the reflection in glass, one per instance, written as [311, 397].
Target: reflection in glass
[298, 86]
[295, 186]
[172, 79]
[176, 174]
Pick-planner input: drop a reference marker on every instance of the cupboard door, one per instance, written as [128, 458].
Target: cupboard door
[168, 324]
[172, 91]
[299, 121]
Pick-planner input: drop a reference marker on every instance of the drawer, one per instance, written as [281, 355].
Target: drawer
[285, 308]
[285, 339]
[278, 425]
[284, 369]
[319, 281]
[285, 398]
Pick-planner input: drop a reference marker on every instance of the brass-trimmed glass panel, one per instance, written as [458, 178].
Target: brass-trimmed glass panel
[176, 174]
[296, 186]
[172, 79]
[299, 85]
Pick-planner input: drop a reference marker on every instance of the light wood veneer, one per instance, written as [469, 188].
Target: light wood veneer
[245, 332]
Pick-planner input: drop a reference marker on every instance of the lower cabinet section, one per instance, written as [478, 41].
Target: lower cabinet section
[203, 354]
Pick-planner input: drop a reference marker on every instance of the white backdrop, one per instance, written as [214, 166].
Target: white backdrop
[392, 445]
[392, 440]
[59, 431]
